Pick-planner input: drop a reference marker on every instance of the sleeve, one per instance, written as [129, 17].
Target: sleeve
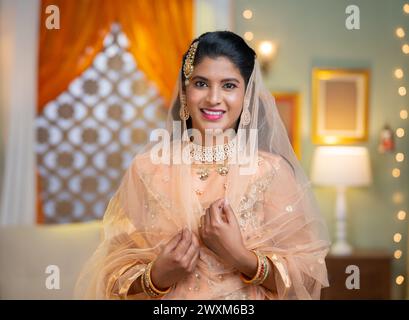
[126, 249]
[293, 236]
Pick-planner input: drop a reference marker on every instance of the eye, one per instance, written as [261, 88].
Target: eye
[229, 85]
[200, 84]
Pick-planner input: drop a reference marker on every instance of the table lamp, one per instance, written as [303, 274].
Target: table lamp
[341, 167]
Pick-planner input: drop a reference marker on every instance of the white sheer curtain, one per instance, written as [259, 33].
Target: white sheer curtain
[18, 93]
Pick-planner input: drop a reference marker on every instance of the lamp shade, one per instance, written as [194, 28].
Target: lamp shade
[341, 166]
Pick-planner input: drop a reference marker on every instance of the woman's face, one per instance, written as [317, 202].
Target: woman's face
[215, 94]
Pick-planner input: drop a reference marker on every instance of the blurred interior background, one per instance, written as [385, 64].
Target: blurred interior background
[82, 84]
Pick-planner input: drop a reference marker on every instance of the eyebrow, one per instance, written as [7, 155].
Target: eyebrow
[224, 80]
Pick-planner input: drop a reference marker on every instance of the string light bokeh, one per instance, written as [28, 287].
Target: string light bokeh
[400, 156]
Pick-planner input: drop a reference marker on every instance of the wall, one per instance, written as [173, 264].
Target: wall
[18, 95]
[313, 34]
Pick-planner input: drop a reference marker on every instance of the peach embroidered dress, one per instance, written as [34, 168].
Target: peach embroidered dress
[273, 203]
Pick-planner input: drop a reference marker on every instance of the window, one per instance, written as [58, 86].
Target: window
[88, 135]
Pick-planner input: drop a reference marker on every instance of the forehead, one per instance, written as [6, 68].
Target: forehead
[217, 69]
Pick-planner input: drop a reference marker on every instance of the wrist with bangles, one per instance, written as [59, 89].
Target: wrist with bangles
[147, 285]
[262, 270]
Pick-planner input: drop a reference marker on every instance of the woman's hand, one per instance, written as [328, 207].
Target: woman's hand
[220, 232]
[177, 259]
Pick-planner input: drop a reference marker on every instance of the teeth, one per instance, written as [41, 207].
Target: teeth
[213, 113]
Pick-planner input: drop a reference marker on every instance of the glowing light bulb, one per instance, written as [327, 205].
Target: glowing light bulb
[397, 237]
[401, 215]
[399, 157]
[400, 132]
[400, 32]
[396, 173]
[403, 114]
[248, 36]
[399, 280]
[399, 73]
[397, 254]
[247, 14]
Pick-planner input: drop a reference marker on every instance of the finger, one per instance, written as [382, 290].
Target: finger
[195, 240]
[173, 242]
[201, 226]
[194, 260]
[184, 243]
[228, 211]
[219, 203]
[193, 250]
[215, 214]
[207, 219]
[207, 211]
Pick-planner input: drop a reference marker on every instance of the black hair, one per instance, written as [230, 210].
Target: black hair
[224, 44]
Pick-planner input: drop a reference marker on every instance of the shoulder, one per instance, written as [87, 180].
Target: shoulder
[270, 162]
[143, 165]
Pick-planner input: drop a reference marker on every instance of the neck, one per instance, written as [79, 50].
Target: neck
[213, 140]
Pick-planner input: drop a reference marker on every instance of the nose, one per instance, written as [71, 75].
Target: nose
[214, 96]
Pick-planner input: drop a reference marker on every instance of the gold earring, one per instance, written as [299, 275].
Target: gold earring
[183, 113]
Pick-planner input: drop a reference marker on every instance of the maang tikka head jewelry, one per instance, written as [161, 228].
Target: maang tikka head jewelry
[188, 64]
[187, 71]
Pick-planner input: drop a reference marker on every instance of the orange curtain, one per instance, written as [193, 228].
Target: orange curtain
[67, 52]
[159, 31]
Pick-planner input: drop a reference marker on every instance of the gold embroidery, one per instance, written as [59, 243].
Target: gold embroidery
[254, 194]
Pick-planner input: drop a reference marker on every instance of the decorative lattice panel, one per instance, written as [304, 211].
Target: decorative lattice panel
[88, 135]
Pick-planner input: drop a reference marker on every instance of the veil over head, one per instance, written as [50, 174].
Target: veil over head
[270, 196]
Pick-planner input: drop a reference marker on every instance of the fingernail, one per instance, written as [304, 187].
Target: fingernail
[226, 202]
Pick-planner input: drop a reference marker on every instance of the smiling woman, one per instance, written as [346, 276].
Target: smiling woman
[204, 228]
[215, 94]
[223, 66]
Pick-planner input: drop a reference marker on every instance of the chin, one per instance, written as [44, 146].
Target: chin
[213, 126]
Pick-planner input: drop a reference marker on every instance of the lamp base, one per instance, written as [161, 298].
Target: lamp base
[341, 248]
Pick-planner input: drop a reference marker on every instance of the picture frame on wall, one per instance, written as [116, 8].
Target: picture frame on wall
[289, 109]
[340, 105]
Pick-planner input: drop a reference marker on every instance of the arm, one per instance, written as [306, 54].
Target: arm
[177, 258]
[246, 263]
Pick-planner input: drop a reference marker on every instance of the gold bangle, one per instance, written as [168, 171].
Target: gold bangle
[266, 270]
[144, 289]
[145, 284]
[262, 270]
[150, 283]
[257, 275]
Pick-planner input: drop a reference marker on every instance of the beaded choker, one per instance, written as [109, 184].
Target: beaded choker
[211, 154]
